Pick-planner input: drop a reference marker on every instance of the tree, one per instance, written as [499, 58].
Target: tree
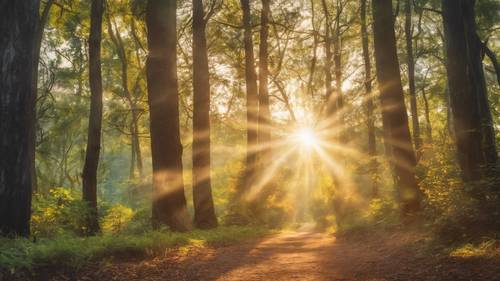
[89, 175]
[331, 103]
[252, 98]
[18, 26]
[476, 52]
[169, 201]
[42, 21]
[264, 118]
[117, 40]
[370, 119]
[394, 115]
[410, 61]
[472, 121]
[204, 213]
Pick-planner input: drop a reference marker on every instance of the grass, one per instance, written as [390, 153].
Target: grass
[489, 247]
[74, 252]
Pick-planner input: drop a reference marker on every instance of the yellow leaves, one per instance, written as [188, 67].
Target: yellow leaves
[117, 218]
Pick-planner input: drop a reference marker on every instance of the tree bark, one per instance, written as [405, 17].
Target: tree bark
[463, 100]
[204, 213]
[370, 120]
[337, 61]
[314, 59]
[476, 73]
[410, 61]
[393, 107]
[89, 175]
[264, 117]
[18, 26]
[169, 201]
[331, 106]
[252, 97]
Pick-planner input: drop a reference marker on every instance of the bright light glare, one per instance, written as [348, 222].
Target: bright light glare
[306, 137]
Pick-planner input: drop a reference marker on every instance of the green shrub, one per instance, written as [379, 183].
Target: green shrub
[71, 251]
[116, 219]
[58, 212]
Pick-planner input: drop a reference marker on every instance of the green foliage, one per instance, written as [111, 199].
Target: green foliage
[70, 251]
[458, 211]
[116, 219]
[57, 213]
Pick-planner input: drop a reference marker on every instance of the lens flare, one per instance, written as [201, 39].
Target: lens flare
[306, 137]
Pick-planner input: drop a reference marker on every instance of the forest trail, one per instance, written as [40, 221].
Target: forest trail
[301, 256]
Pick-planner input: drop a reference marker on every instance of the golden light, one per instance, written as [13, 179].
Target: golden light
[307, 137]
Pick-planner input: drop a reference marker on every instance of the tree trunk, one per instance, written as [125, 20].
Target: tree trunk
[464, 99]
[264, 118]
[18, 26]
[314, 59]
[337, 61]
[331, 104]
[252, 97]
[204, 213]
[370, 120]
[427, 115]
[476, 73]
[393, 107]
[169, 201]
[89, 176]
[411, 77]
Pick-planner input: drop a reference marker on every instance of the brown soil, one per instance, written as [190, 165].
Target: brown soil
[296, 256]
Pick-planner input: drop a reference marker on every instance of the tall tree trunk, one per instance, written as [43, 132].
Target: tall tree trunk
[252, 96]
[204, 213]
[337, 61]
[476, 72]
[410, 61]
[89, 176]
[331, 103]
[18, 26]
[370, 120]
[314, 59]
[464, 101]
[393, 106]
[264, 118]
[169, 201]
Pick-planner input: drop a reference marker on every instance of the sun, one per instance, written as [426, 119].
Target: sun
[306, 137]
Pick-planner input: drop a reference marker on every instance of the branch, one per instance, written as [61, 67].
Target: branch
[493, 59]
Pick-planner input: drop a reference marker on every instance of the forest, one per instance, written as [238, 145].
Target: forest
[249, 140]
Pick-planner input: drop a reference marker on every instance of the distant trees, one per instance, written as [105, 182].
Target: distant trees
[18, 26]
[472, 120]
[204, 213]
[331, 103]
[370, 118]
[410, 61]
[128, 95]
[169, 201]
[395, 120]
[264, 116]
[252, 98]
[42, 21]
[89, 175]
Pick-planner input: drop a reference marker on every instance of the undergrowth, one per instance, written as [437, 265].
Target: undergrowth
[73, 252]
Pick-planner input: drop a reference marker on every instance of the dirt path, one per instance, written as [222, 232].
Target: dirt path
[301, 256]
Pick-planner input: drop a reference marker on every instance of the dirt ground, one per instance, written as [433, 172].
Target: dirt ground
[296, 256]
